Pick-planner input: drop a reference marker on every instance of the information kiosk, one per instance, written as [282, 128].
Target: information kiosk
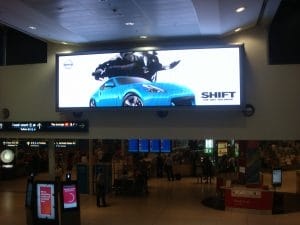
[45, 203]
[276, 177]
[69, 203]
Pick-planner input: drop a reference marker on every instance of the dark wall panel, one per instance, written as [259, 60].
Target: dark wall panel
[2, 47]
[18, 48]
[284, 34]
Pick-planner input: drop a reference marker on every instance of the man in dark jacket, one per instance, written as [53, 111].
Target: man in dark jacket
[100, 189]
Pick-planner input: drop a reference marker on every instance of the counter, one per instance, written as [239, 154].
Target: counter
[254, 200]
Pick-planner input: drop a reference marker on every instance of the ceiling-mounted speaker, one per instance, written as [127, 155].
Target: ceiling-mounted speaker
[248, 110]
[162, 113]
[77, 115]
[5, 113]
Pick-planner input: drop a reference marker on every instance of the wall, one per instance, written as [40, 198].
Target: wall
[28, 91]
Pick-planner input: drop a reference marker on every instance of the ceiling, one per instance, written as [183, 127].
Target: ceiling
[89, 21]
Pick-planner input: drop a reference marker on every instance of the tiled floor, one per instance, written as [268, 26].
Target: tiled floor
[176, 203]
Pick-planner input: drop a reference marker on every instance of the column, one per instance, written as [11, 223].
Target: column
[51, 157]
[91, 172]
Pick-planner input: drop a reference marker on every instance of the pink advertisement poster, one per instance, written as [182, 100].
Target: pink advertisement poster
[69, 196]
[45, 198]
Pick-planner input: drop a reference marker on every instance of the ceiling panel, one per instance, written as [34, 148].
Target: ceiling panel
[84, 21]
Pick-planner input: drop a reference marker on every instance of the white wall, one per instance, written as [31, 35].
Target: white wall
[28, 91]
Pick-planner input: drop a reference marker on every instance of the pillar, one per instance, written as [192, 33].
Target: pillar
[51, 157]
[91, 166]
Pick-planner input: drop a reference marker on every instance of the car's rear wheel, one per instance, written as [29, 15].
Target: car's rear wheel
[92, 103]
[132, 100]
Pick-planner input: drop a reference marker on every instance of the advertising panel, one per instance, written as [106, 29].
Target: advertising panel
[69, 196]
[45, 201]
[156, 78]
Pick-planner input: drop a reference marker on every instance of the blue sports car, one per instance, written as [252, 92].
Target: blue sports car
[137, 91]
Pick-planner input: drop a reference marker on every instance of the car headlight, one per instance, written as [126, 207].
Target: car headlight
[152, 88]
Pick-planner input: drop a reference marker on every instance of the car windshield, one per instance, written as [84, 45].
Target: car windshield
[131, 80]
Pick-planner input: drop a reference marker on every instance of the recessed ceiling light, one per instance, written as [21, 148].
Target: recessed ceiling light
[129, 23]
[237, 29]
[60, 9]
[32, 27]
[143, 37]
[240, 9]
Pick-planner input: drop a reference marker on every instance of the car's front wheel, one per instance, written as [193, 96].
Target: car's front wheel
[132, 100]
[93, 103]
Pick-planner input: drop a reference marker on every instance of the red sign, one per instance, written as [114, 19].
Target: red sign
[249, 199]
[45, 200]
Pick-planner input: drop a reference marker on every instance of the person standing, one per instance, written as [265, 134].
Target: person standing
[159, 166]
[100, 190]
[169, 167]
[207, 169]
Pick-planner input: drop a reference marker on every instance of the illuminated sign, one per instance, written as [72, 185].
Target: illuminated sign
[69, 196]
[45, 201]
[7, 156]
[155, 145]
[10, 143]
[183, 77]
[277, 177]
[64, 144]
[36, 143]
[64, 126]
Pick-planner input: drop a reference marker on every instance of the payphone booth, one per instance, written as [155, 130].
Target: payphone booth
[69, 203]
[45, 203]
[29, 209]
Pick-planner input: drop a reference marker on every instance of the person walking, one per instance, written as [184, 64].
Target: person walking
[100, 190]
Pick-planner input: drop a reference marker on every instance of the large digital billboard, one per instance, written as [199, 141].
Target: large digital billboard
[194, 77]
